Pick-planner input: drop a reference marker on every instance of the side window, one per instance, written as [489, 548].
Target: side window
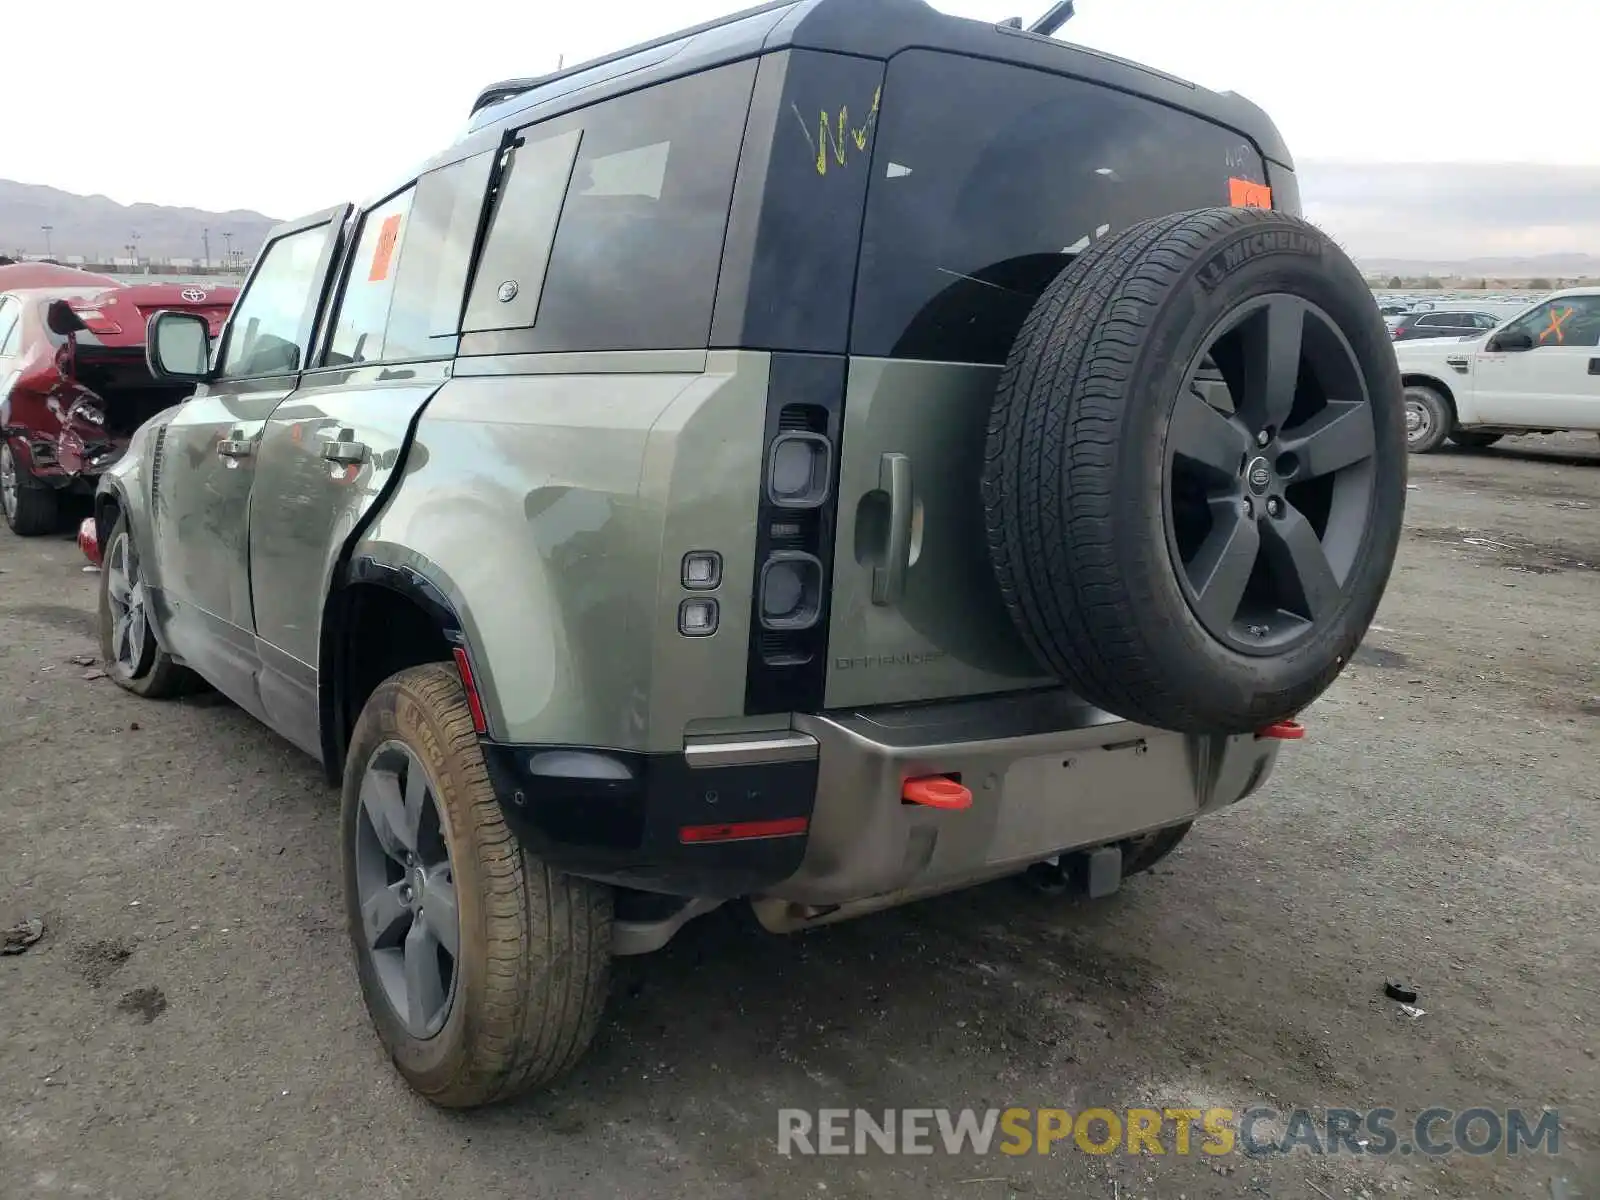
[647, 180]
[270, 322]
[1484, 321]
[403, 285]
[10, 327]
[426, 311]
[1568, 321]
[369, 285]
[1432, 320]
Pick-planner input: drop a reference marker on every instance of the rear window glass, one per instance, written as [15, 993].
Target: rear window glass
[647, 181]
[987, 177]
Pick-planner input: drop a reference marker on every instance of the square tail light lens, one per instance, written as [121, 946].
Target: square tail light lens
[790, 591]
[799, 468]
[697, 617]
[702, 570]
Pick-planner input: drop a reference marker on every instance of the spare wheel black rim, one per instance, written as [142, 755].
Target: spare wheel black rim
[1268, 475]
[411, 935]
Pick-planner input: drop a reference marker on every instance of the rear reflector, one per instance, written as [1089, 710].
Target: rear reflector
[743, 831]
[470, 686]
[936, 791]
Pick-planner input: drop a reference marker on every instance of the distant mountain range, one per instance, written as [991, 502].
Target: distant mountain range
[1545, 266]
[100, 229]
[1497, 221]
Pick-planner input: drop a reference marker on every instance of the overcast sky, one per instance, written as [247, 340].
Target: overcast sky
[291, 105]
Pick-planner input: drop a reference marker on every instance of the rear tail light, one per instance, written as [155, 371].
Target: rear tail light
[791, 590]
[799, 470]
[795, 519]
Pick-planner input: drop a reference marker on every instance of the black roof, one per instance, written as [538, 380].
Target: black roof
[876, 29]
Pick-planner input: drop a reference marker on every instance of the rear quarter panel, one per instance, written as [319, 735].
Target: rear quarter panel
[551, 498]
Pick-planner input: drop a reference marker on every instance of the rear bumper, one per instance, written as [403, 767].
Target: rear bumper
[1047, 774]
[814, 815]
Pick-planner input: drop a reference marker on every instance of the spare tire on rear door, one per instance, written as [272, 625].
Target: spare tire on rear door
[1195, 473]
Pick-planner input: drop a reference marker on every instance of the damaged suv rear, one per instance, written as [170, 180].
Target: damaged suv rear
[74, 384]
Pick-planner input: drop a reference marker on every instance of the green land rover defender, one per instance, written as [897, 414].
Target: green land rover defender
[831, 456]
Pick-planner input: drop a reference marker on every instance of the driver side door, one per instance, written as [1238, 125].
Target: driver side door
[204, 463]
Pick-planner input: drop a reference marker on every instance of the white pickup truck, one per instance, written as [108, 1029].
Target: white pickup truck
[1537, 373]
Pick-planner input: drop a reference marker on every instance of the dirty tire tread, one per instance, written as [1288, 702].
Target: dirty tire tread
[1061, 336]
[1472, 439]
[547, 935]
[1152, 848]
[37, 511]
[1053, 517]
[1017, 445]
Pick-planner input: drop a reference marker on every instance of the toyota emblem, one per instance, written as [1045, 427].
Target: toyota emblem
[193, 295]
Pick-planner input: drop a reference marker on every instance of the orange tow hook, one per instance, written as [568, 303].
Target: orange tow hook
[1283, 731]
[936, 791]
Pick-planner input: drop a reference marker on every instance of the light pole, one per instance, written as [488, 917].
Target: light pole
[134, 248]
[205, 240]
[48, 253]
[227, 239]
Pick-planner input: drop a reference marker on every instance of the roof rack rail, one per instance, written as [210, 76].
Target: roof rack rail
[506, 89]
[1053, 20]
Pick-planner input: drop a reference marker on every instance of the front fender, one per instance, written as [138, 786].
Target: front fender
[125, 488]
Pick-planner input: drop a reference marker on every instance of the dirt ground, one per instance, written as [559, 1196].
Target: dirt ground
[190, 1026]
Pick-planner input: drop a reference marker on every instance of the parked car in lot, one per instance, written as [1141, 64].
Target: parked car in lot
[1444, 323]
[1536, 373]
[626, 539]
[73, 380]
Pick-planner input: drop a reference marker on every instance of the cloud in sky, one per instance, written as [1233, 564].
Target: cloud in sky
[1429, 210]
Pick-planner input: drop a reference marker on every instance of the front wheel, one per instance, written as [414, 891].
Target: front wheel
[484, 970]
[128, 646]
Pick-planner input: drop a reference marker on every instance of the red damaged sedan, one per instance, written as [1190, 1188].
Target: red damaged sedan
[73, 380]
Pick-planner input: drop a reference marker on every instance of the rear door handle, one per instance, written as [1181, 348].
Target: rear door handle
[889, 580]
[1594, 366]
[345, 449]
[236, 446]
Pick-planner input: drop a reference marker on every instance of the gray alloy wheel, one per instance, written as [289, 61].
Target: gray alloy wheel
[8, 481]
[29, 509]
[405, 885]
[130, 648]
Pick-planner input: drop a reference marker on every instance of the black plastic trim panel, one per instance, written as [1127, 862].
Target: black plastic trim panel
[787, 671]
[626, 830]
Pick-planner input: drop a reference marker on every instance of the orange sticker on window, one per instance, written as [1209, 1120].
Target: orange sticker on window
[1244, 194]
[383, 255]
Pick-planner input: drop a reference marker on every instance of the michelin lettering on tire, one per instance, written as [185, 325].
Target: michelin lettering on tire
[1245, 250]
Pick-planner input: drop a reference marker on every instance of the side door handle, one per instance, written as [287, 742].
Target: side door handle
[345, 449]
[1594, 366]
[236, 446]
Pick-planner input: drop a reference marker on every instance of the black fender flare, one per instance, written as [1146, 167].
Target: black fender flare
[420, 581]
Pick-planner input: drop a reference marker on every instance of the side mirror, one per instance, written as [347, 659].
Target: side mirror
[60, 319]
[178, 346]
[1510, 340]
